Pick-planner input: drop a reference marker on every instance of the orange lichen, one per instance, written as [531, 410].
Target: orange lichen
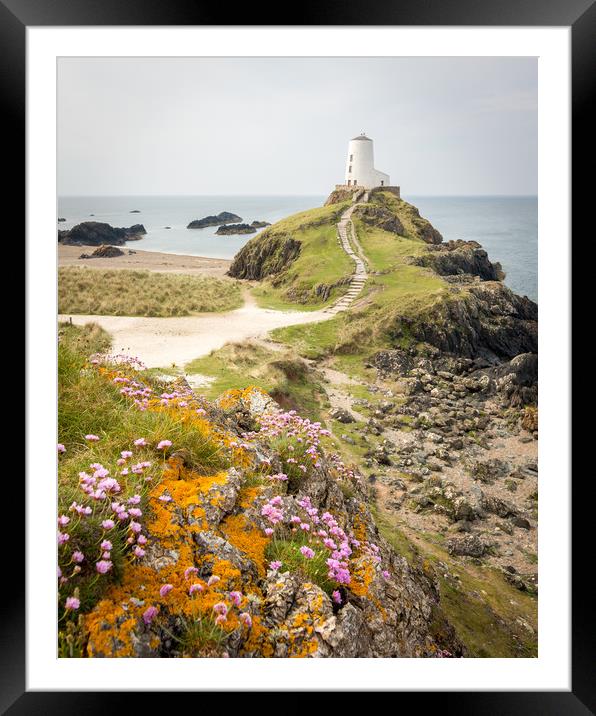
[248, 538]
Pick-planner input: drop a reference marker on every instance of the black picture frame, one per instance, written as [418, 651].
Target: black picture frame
[580, 15]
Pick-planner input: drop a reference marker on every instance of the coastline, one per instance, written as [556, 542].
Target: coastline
[68, 255]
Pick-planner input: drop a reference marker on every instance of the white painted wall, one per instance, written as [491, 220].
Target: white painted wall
[360, 165]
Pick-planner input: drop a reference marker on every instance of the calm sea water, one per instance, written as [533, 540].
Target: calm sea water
[505, 226]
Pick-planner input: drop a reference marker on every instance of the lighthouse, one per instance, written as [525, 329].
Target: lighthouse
[360, 165]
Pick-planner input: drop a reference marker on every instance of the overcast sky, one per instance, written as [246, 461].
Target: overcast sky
[281, 125]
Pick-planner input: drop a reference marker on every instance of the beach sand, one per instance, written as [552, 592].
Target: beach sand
[148, 260]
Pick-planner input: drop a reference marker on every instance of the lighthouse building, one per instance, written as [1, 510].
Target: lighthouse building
[360, 165]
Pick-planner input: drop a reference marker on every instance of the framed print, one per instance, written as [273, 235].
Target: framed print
[285, 406]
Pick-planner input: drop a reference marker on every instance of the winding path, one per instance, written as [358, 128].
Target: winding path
[163, 342]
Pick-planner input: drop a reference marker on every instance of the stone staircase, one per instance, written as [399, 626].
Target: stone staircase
[345, 230]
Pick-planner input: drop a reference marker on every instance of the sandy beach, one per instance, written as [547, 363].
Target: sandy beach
[148, 260]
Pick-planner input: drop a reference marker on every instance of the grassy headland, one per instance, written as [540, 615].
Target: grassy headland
[122, 292]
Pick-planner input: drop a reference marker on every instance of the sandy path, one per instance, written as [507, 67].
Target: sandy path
[162, 342]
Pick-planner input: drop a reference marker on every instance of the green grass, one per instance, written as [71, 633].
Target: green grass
[287, 551]
[238, 365]
[123, 292]
[321, 261]
[89, 403]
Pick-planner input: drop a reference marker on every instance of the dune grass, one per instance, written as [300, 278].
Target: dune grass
[122, 292]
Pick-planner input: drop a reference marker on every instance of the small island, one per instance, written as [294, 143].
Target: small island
[95, 233]
[260, 224]
[225, 217]
[229, 229]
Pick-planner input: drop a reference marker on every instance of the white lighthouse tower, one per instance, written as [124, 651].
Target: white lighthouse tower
[360, 165]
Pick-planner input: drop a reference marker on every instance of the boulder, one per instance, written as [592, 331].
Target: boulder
[95, 233]
[229, 229]
[225, 217]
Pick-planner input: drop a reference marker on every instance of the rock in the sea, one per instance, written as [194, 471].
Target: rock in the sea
[105, 251]
[229, 229]
[61, 218]
[260, 224]
[95, 233]
[225, 217]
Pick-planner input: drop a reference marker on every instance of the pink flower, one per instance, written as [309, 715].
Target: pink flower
[221, 608]
[165, 590]
[106, 545]
[72, 603]
[63, 537]
[140, 442]
[307, 552]
[139, 552]
[103, 566]
[149, 614]
[196, 587]
[220, 618]
[108, 524]
[245, 618]
[135, 512]
[236, 598]
[61, 447]
[135, 526]
[126, 454]
[163, 444]
[275, 565]
[63, 520]
[268, 531]
[336, 596]
[78, 557]
[141, 539]
[92, 438]
[386, 574]
[213, 579]
[134, 500]
[165, 498]
[190, 570]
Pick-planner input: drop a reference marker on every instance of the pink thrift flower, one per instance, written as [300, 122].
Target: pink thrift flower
[149, 614]
[307, 552]
[134, 500]
[220, 619]
[336, 596]
[126, 454]
[78, 557]
[245, 618]
[165, 590]
[103, 566]
[213, 579]
[72, 603]
[106, 545]
[190, 570]
[63, 520]
[139, 552]
[135, 526]
[165, 498]
[268, 531]
[275, 565]
[221, 608]
[63, 537]
[135, 512]
[236, 598]
[108, 524]
[61, 447]
[195, 588]
[140, 442]
[141, 539]
[386, 574]
[163, 444]
[92, 438]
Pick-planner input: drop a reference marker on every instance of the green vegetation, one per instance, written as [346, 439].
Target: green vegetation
[123, 292]
[321, 261]
[287, 551]
[88, 404]
[238, 365]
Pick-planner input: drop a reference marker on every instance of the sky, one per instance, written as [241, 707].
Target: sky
[199, 126]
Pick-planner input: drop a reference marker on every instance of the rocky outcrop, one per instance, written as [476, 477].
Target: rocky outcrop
[104, 252]
[94, 233]
[229, 229]
[216, 532]
[487, 320]
[264, 256]
[376, 215]
[225, 217]
[461, 257]
[260, 224]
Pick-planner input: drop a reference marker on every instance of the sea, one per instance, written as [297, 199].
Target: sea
[507, 227]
